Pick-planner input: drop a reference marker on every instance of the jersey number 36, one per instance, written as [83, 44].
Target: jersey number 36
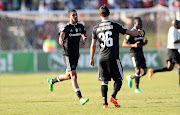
[106, 39]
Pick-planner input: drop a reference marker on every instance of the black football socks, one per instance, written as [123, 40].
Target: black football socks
[78, 93]
[56, 80]
[104, 90]
[117, 87]
[161, 70]
[137, 80]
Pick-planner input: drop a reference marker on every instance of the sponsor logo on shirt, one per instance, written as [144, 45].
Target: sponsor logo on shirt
[138, 38]
[77, 34]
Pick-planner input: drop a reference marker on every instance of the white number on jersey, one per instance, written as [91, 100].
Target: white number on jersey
[107, 40]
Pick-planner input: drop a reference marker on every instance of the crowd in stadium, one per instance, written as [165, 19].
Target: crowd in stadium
[45, 5]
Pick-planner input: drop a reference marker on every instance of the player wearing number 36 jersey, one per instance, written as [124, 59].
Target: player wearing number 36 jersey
[107, 34]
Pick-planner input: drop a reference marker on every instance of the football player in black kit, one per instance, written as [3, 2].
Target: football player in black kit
[136, 44]
[69, 38]
[107, 33]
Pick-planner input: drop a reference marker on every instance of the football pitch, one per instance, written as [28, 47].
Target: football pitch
[28, 94]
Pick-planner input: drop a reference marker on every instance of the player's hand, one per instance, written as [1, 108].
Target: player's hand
[146, 41]
[61, 41]
[141, 32]
[92, 63]
[137, 44]
[82, 42]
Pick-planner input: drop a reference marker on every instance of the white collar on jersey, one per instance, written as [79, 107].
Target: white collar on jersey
[105, 20]
[72, 23]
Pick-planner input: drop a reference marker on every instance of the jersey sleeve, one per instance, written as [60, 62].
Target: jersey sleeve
[63, 29]
[83, 30]
[94, 35]
[120, 28]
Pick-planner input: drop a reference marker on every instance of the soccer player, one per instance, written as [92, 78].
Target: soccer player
[136, 44]
[70, 36]
[107, 33]
[173, 54]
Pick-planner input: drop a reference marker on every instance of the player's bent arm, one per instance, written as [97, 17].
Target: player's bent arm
[128, 45]
[134, 33]
[92, 51]
[61, 38]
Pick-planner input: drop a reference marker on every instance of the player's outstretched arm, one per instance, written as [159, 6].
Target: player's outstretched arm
[134, 33]
[92, 51]
[61, 38]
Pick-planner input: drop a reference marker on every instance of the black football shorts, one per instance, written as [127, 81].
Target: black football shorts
[110, 69]
[173, 56]
[71, 62]
[138, 60]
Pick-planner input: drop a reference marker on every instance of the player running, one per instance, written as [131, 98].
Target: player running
[107, 33]
[173, 54]
[69, 38]
[136, 44]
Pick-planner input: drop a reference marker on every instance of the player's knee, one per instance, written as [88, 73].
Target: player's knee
[170, 68]
[137, 71]
[68, 77]
[74, 77]
[143, 72]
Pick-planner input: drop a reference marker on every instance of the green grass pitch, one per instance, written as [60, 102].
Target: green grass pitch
[28, 94]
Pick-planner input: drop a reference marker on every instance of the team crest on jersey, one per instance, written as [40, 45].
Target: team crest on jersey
[76, 29]
[71, 30]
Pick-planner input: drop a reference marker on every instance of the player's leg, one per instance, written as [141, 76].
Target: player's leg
[170, 63]
[59, 78]
[104, 76]
[75, 85]
[71, 67]
[137, 76]
[135, 62]
[117, 75]
[170, 66]
[104, 90]
[143, 71]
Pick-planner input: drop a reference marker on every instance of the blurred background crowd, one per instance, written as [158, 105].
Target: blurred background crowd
[45, 5]
[29, 32]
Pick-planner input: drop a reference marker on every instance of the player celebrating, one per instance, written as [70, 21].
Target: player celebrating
[173, 53]
[69, 38]
[136, 44]
[107, 33]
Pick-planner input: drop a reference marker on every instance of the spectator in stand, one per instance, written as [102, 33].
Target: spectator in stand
[68, 4]
[1, 6]
[79, 4]
[136, 4]
[103, 2]
[176, 4]
[49, 44]
[124, 3]
[148, 4]
[115, 4]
